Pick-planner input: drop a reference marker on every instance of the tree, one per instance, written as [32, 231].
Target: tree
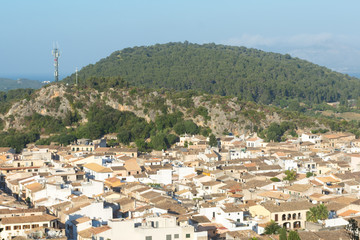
[159, 142]
[141, 145]
[309, 174]
[275, 179]
[282, 233]
[124, 136]
[353, 229]
[319, 212]
[213, 141]
[293, 235]
[290, 175]
[272, 228]
[311, 215]
[322, 212]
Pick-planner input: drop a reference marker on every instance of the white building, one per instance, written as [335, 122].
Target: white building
[232, 218]
[97, 172]
[150, 228]
[309, 137]
[162, 176]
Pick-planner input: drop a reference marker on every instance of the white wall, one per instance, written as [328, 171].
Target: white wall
[92, 188]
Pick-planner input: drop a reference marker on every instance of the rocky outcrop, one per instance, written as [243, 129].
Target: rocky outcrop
[225, 114]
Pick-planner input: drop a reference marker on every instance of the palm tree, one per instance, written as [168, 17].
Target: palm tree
[272, 228]
[322, 212]
[316, 213]
[353, 229]
[311, 215]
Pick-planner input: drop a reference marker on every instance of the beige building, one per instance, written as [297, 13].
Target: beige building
[290, 215]
[18, 226]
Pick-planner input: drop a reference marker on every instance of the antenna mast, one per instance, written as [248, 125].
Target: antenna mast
[56, 54]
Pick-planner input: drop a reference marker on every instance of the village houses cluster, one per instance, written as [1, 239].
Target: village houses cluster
[88, 191]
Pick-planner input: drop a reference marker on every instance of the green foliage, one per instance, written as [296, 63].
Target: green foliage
[205, 131]
[275, 179]
[353, 229]
[159, 142]
[276, 131]
[168, 121]
[2, 125]
[101, 83]
[163, 141]
[320, 130]
[63, 139]
[202, 111]
[103, 119]
[124, 136]
[7, 84]
[282, 234]
[272, 228]
[187, 126]
[7, 98]
[290, 175]
[17, 140]
[142, 145]
[309, 174]
[225, 70]
[293, 235]
[319, 212]
[213, 141]
[43, 123]
[71, 117]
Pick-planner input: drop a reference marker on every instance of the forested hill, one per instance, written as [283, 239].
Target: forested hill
[226, 70]
[8, 84]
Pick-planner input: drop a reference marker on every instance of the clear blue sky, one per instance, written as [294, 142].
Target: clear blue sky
[326, 32]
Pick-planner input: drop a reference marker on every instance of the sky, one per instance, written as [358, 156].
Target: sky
[325, 32]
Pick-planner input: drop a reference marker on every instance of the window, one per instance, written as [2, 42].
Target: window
[176, 235]
[168, 237]
[35, 226]
[26, 226]
[45, 225]
[148, 238]
[8, 228]
[17, 227]
[276, 218]
[187, 235]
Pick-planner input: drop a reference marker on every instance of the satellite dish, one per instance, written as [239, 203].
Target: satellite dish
[314, 202]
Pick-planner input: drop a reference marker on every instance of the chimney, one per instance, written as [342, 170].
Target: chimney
[274, 187]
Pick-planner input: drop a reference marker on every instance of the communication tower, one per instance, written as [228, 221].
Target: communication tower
[56, 54]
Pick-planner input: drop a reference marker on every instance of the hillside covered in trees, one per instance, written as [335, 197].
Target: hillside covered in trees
[249, 74]
[8, 84]
[143, 117]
